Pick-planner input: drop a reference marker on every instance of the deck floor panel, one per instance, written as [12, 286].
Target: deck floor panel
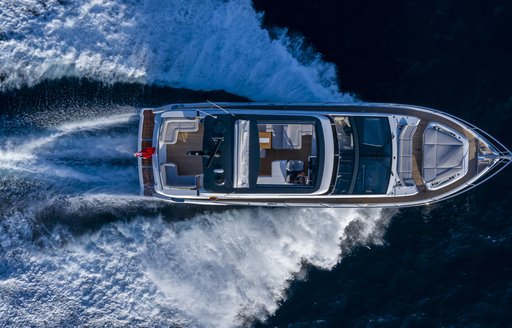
[417, 156]
[177, 153]
[148, 179]
[148, 125]
[271, 155]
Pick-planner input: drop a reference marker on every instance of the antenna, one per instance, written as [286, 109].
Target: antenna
[225, 111]
[205, 113]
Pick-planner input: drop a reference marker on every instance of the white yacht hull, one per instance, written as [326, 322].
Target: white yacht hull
[417, 175]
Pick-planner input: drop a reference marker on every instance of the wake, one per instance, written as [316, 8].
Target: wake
[214, 270]
[81, 156]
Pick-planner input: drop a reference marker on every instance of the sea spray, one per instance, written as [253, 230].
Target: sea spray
[216, 269]
[201, 45]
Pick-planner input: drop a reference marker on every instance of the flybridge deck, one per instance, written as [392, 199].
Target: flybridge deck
[421, 165]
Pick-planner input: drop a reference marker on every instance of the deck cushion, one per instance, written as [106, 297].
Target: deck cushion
[170, 176]
[445, 156]
[171, 128]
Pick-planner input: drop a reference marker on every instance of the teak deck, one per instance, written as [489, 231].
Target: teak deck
[146, 141]
[286, 154]
[177, 153]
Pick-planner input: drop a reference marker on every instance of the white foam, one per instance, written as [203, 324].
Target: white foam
[78, 151]
[29, 147]
[214, 270]
[195, 44]
[96, 123]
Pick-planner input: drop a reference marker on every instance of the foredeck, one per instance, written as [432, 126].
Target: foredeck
[148, 179]
[424, 194]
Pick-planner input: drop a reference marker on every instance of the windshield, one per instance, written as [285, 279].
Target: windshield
[364, 155]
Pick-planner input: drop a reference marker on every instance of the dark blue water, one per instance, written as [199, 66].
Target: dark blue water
[76, 243]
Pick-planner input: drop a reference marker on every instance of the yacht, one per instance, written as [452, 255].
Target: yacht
[313, 154]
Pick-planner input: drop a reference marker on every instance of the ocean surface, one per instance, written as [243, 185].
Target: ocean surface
[80, 248]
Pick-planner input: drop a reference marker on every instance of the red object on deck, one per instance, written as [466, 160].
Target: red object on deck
[145, 153]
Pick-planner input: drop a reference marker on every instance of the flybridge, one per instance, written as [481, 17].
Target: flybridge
[339, 155]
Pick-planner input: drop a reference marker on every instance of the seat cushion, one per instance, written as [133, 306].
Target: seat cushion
[170, 176]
